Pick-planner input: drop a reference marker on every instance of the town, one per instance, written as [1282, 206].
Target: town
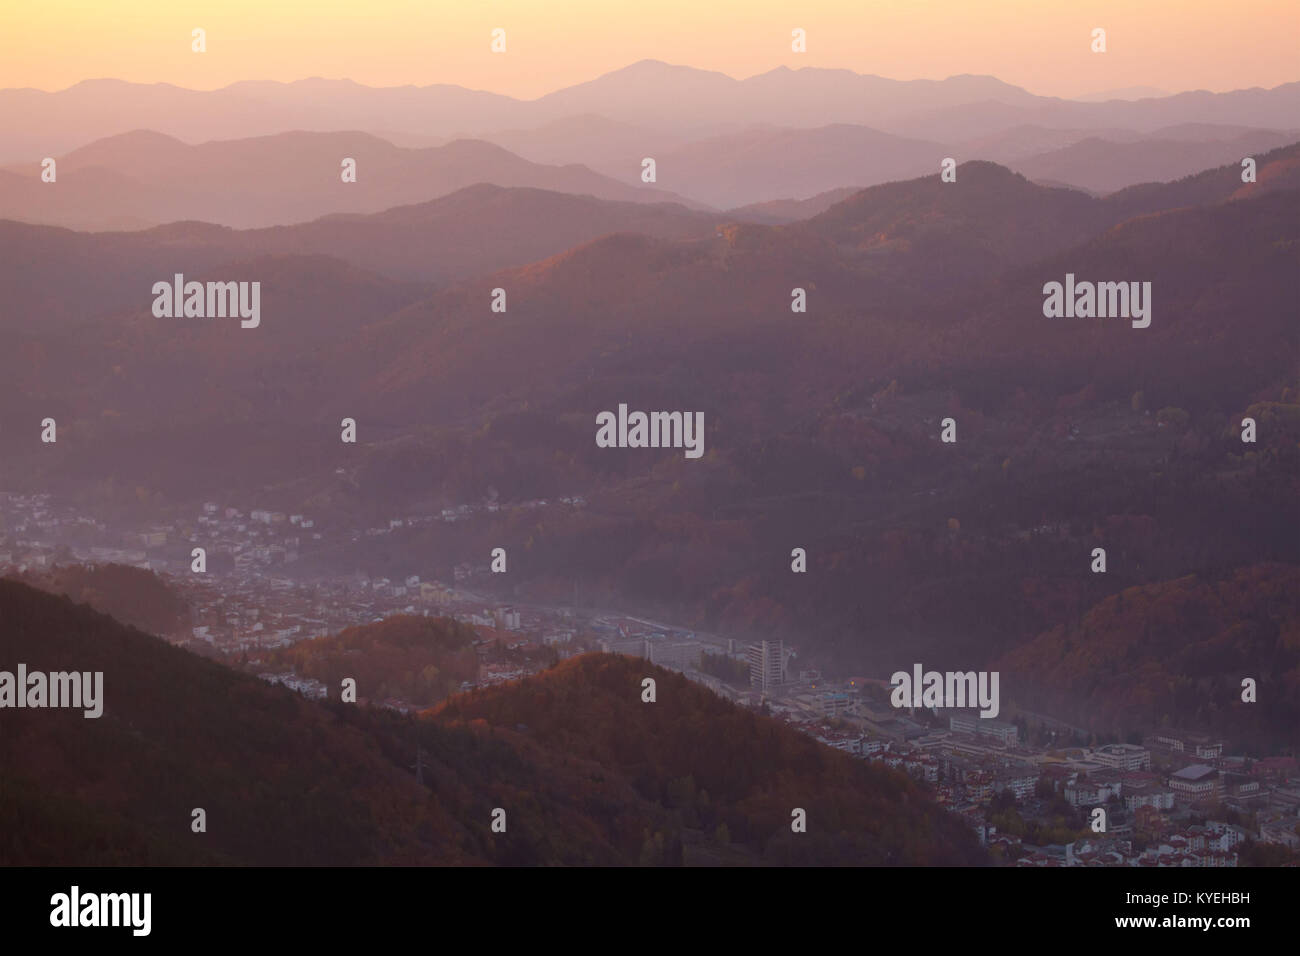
[1029, 785]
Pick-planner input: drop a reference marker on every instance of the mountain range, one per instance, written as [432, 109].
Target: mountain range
[647, 93]
[256, 154]
[924, 302]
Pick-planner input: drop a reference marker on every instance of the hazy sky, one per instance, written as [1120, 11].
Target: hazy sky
[1042, 45]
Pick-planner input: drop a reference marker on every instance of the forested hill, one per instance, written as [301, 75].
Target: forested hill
[1175, 653]
[718, 765]
[593, 776]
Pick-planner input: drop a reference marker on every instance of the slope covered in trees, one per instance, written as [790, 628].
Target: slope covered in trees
[288, 781]
[1176, 652]
[417, 659]
[134, 596]
[719, 766]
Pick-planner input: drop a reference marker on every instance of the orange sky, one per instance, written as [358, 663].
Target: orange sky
[1042, 45]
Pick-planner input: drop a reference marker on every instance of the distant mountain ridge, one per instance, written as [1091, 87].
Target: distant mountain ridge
[271, 180]
[650, 93]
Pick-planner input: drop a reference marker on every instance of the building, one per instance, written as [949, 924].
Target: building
[1280, 832]
[971, 723]
[831, 703]
[1197, 782]
[1147, 794]
[636, 647]
[1123, 757]
[766, 665]
[675, 655]
[1241, 786]
[1020, 782]
[1086, 791]
[1197, 745]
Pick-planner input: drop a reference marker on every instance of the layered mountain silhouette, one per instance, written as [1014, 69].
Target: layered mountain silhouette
[648, 93]
[287, 781]
[146, 177]
[397, 352]
[1105, 166]
[141, 178]
[785, 134]
[760, 164]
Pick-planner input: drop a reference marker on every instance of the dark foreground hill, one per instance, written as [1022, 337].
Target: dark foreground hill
[135, 596]
[719, 765]
[595, 776]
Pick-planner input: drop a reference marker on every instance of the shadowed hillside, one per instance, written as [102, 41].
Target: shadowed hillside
[1175, 653]
[284, 780]
[719, 764]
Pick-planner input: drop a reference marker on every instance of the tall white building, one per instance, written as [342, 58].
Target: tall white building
[766, 665]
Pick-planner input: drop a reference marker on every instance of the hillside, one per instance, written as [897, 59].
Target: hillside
[66, 276]
[1104, 166]
[134, 596]
[1175, 652]
[417, 659]
[719, 764]
[286, 781]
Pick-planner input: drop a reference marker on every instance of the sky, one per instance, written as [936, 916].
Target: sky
[1041, 45]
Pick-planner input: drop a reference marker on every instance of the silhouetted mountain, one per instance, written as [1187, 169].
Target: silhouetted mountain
[475, 230]
[761, 164]
[1276, 170]
[1124, 93]
[1006, 145]
[777, 211]
[45, 124]
[65, 276]
[607, 146]
[675, 101]
[1264, 109]
[270, 180]
[663, 95]
[1104, 166]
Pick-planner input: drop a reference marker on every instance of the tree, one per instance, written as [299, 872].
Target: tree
[1172, 417]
